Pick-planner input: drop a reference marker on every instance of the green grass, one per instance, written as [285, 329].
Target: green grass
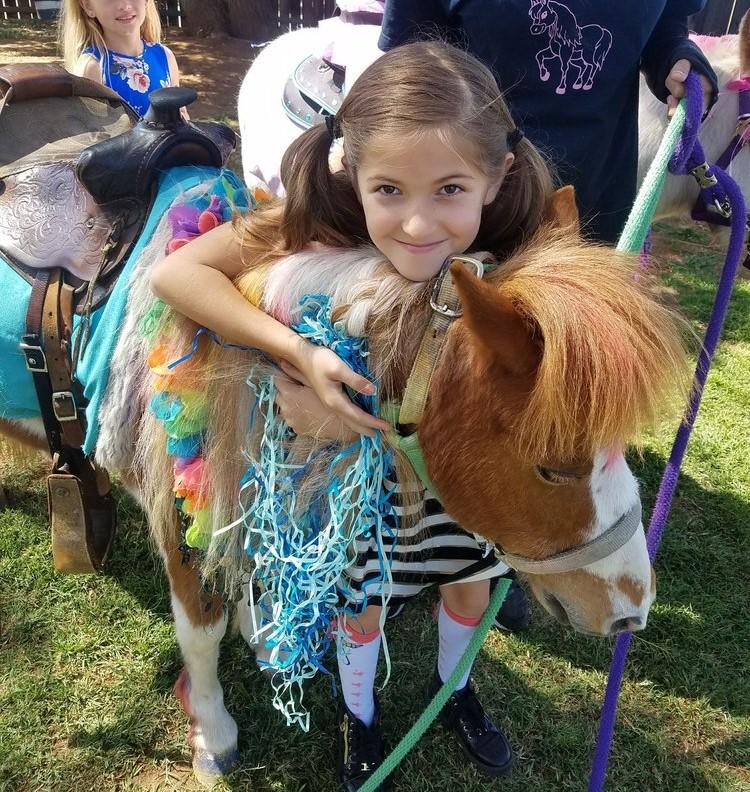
[88, 663]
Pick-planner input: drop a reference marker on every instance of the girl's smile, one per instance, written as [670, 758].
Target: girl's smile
[424, 248]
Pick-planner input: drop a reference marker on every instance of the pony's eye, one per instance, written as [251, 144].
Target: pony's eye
[555, 477]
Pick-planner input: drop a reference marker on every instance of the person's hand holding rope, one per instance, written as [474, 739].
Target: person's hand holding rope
[675, 84]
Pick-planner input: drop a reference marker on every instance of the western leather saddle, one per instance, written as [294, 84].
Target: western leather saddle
[314, 91]
[78, 175]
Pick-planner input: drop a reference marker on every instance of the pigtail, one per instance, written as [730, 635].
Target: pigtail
[518, 210]
[320, 206]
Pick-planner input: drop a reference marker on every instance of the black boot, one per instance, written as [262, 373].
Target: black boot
[484, 744]
[514, 614]
[360, 749]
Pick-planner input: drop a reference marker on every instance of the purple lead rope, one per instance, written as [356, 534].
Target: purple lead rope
[687, 154]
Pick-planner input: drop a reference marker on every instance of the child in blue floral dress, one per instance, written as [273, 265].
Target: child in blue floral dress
[117, 43]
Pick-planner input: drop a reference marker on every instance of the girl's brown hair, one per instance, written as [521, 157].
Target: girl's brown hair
[76, 31]
[410, 90]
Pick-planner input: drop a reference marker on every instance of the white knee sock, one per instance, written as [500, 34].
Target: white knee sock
[357, 655]
[454, 634]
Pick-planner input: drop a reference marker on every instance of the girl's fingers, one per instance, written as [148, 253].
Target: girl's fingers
[356, 418]
[293, 372]
[355, 381]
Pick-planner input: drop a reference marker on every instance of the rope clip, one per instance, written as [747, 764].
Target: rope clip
[702, 174]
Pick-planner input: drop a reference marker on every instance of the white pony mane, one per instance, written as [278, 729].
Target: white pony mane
[360, 280]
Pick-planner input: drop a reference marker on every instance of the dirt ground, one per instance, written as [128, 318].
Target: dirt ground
[213, 66]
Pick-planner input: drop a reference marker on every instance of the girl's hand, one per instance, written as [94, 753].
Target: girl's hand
[325, 372]
[305, 413]
[675, 84]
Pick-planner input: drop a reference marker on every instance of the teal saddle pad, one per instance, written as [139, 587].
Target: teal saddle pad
[17, 395]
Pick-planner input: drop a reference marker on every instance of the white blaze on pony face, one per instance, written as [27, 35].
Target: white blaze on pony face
[627, 571]
[612, 595]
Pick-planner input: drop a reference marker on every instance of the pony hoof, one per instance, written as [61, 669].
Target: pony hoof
[210, 768]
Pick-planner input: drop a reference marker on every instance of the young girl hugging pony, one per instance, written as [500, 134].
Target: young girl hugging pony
[432, 167]
[117, 43]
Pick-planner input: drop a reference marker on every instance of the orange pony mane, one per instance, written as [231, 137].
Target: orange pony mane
[612, 355]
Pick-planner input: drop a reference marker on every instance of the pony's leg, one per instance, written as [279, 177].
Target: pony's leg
[200, 624]
[583, 70]
[566, 53]
[541, 57]
[248, 620]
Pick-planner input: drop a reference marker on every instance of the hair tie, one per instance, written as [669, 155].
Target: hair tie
[332, 126]
[514, 137]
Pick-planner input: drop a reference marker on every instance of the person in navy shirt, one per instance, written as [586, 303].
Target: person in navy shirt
[570, 72]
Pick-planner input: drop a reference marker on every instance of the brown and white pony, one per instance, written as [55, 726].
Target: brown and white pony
[562, 356]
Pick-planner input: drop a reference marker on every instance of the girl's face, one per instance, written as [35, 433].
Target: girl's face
[423, 203]
[118, 18]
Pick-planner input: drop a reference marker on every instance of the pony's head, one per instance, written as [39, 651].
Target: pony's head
[541, 16]
[562, 356]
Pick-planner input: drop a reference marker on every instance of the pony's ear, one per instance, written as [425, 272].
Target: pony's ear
[561, 210]
[745, 45]
[504, 337]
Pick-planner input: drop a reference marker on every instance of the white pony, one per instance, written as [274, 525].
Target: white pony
[267, 130]
[265, 127]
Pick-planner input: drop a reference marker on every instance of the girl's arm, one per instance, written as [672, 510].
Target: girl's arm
[89, 67]
[197, 280]
[174, 72]
[174, 76]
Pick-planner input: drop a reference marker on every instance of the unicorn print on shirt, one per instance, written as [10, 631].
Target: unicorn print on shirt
[585, 47]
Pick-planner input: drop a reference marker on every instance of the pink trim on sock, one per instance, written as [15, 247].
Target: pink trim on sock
[465, 620]
[359, 637]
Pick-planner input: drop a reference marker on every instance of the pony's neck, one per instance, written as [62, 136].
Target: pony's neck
[367, 294]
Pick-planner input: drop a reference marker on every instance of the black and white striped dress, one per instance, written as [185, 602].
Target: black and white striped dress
[442, 553]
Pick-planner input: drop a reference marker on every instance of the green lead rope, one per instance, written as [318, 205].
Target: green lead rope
[639, 220]
[412, 737]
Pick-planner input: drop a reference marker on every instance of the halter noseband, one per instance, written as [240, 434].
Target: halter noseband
[615, 537]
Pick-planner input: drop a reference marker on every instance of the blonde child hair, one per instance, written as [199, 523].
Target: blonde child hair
[76, 31]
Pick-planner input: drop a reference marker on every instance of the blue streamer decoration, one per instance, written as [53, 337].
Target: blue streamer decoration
[299, 558]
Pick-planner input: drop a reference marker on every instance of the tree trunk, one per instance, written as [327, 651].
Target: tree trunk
[205, 17]
[256, 20]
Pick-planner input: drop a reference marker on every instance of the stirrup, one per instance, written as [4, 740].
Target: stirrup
[82, 523]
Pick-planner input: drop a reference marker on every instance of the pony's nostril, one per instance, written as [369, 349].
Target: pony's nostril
[630, 624]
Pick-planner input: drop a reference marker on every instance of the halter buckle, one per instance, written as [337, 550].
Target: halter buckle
[724, 208]
[441, 306]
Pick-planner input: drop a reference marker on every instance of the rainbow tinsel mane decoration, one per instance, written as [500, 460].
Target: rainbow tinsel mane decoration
[300, 522]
